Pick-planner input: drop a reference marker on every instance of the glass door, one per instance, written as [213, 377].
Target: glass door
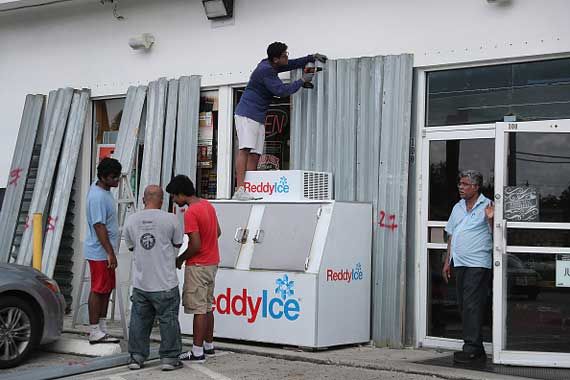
[531, 290]
[447, 153]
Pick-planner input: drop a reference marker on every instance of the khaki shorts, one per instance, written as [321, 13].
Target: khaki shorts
[198, 291]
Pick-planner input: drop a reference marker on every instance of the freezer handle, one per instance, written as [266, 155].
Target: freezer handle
[240, 235]
[258, 237]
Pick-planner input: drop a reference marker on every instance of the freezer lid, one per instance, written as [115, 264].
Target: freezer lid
[233, 219]
[284, 238]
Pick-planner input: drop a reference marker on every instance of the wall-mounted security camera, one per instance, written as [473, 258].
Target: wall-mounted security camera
[144, 41]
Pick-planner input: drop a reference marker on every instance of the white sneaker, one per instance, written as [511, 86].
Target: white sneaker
[96, 339]
[95, 335]
[242, 195]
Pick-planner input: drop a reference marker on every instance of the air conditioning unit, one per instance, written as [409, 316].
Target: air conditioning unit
[289, 185]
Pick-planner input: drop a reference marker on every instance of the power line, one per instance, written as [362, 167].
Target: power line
[542, 162]
[543, 155]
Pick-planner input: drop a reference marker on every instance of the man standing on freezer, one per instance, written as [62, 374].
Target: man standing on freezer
[263, 86]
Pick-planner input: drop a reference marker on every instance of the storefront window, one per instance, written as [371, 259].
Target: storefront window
[528, 91]
[107, 115]
[277, 134]
[206, 167]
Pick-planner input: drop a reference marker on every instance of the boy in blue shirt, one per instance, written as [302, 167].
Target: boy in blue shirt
[263, 85]
[100, 246]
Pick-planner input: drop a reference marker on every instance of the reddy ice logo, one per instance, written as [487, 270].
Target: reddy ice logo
[281, 187]
[346, 275]
[282, 305]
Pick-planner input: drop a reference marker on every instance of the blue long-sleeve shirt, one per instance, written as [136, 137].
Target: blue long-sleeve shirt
[264, 84]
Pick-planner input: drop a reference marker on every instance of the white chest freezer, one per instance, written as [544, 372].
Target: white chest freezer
[293, 273]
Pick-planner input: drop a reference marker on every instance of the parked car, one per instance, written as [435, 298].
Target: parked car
[31, 312]
[522, 279]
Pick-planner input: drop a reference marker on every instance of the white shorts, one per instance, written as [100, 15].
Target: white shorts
[251, 134]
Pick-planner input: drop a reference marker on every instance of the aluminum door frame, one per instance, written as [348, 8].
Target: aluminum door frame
[501, 249]
[459, 132]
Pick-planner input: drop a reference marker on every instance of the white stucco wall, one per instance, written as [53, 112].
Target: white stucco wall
[81, 44]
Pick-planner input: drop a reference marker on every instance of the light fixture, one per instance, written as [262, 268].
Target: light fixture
[218, 9]
[144, 41]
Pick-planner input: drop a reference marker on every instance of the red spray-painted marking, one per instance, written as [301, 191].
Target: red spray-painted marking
[51, 223]
[391, 225]
[15, 176]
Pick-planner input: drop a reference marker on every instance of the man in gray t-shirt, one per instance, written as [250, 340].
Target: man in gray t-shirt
[154, 236]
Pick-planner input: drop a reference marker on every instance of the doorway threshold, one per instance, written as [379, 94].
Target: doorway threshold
[541, 373]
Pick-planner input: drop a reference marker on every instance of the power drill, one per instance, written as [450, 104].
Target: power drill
[311, 68]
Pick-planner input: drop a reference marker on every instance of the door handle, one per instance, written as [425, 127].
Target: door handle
[258, 237]
[504, 233]
[502, 246]
[241, 235]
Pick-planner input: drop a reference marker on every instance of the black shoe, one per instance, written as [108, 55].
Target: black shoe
[134, 365]
[189, 356]
[211, 352]
[462, 357]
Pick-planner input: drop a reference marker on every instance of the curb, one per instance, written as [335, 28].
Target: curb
[411, 368]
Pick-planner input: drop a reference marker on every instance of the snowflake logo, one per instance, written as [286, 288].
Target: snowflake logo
[358, 267]
[283, 181]
[285, 288]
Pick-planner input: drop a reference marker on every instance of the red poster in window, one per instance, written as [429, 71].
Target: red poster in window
[104, 151]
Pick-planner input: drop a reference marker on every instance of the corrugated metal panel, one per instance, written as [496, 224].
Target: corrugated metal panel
[390, 243]
[356, 123]
[153, 136]
[27, 199]
[54, 131]
[129, 128]
[19, 171]
[169, 135]
[64, 181]
[187, 128]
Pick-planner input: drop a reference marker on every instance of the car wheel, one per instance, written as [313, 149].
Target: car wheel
[19, 331]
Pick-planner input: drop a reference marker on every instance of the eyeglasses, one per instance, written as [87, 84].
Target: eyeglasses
[463, 184]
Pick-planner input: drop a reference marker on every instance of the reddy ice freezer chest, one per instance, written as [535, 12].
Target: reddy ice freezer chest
[293, 273]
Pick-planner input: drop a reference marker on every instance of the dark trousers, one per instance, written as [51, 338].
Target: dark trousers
[146, 306]
[472, 291]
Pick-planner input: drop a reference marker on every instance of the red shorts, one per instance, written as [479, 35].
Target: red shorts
[102, 278]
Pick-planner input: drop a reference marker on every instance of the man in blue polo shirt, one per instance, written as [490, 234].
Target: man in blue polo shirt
[263, 85]
[469, 250]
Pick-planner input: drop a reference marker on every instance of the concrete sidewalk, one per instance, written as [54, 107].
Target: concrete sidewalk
[365, 356]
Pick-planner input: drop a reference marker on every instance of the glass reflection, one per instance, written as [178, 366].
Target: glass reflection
[538, 311]
[446, 160]
[529, 91]
[542, 160]
[538, 238]
[444, 319]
